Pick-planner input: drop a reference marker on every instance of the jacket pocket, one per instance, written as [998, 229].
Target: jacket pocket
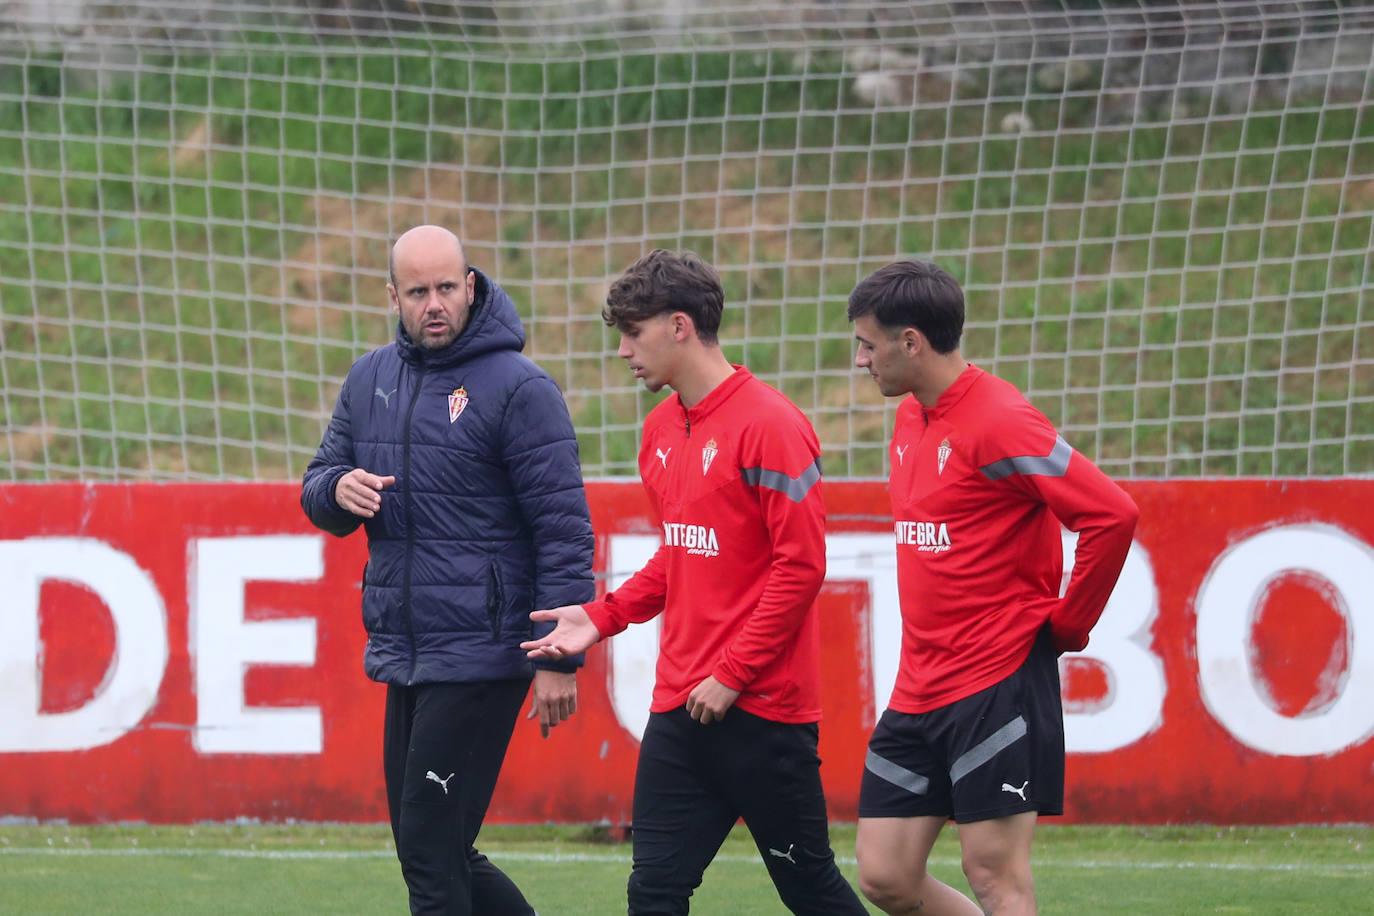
[496, 598]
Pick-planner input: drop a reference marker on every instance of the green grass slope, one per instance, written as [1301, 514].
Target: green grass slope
[192, 255]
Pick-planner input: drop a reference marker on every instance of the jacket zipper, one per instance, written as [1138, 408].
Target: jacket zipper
[410, 524]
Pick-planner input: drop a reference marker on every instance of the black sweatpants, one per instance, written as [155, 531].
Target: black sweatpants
[442, 750]
[694, 781]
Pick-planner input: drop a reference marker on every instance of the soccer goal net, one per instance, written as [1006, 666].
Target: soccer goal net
[1161, 213]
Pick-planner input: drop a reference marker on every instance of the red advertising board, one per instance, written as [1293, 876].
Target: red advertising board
[193, 652]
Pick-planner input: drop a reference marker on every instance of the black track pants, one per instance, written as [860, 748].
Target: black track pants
[694, 781]
[442, 750]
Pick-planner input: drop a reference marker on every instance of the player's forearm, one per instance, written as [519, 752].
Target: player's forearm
[639, 600]
[795, 576]
[1098, 559]
[774, 625]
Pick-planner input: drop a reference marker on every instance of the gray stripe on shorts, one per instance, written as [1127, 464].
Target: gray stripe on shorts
[900, 777]
[988, 748]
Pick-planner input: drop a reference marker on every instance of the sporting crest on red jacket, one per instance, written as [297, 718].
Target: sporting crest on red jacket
[708, 454]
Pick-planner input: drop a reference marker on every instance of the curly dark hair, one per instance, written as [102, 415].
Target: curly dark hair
[665, 281]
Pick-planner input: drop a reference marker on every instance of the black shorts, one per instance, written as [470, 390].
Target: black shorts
[996, 753]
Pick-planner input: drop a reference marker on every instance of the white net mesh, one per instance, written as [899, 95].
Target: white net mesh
[1162, 214]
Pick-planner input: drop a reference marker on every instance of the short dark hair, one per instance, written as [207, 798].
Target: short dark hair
[665, 281]
[913, 294]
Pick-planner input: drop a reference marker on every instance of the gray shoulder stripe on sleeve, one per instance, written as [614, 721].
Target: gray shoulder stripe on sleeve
[1055, 464]
[794, 488]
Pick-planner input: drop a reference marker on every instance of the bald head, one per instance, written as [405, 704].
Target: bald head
[431, 286]
[425, 239]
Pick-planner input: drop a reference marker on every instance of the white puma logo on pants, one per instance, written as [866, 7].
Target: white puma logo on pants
[1006, 787]
[784, 855]
[434, 777]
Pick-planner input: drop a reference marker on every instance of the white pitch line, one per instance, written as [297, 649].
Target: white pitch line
[198, 853]
[622, 859]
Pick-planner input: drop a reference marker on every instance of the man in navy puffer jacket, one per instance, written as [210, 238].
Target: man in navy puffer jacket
[457, 455]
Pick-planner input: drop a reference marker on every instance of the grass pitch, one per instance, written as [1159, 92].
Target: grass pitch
[569, 870]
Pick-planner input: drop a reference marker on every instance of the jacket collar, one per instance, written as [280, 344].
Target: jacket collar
[716, 396]
[954, 393]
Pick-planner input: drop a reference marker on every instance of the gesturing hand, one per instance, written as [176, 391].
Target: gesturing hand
[574, 633]
[555, 699]
[709, 700]
[360, 492]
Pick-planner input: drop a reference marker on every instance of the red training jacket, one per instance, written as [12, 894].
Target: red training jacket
[735, 484]
[980, 484]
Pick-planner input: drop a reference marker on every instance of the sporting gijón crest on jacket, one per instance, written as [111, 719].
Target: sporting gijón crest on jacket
[734, 483]
[488, 517]
[980, 482]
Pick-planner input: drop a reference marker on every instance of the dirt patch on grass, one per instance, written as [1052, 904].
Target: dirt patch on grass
[27, 444]
[342, 267]
[1361, 192]
[194, 147]
[557, 261]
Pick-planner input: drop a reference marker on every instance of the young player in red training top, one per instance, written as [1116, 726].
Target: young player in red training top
[980, 485]
[732, 471]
